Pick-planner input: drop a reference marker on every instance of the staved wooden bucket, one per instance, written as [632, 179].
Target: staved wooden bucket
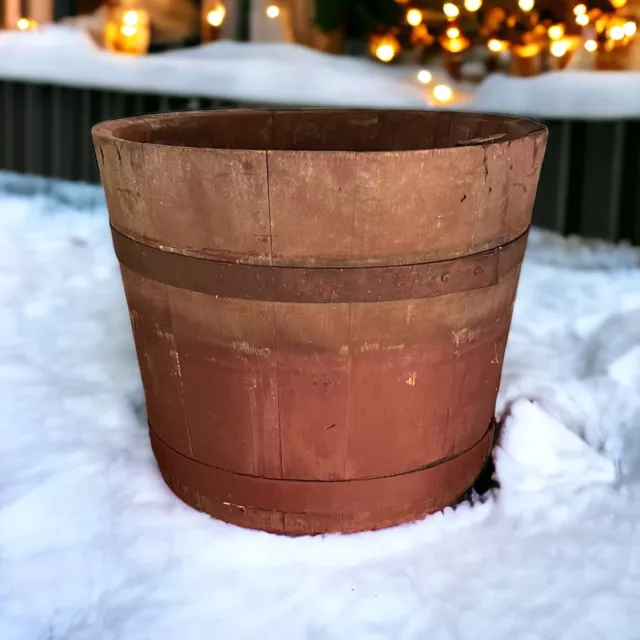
[320, 302]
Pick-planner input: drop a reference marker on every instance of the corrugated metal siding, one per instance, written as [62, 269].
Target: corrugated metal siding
[590, 181]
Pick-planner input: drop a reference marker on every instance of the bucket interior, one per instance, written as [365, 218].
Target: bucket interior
[324, 130]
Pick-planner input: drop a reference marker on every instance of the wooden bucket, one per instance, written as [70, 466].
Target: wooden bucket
[320, 302]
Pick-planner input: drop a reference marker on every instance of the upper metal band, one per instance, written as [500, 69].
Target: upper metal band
[320, 285]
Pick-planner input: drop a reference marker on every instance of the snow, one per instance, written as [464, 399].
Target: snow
[253, 72]
[93, 545]
[562, 94]
[289, 74]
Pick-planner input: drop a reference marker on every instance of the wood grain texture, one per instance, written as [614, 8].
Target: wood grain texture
[321, 302]
[320, 188]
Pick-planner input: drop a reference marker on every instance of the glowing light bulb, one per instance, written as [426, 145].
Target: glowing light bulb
[215, 17]
[579, 9]
[414, 17]
[424, 76]
[472, 5]
[130, 18]
[450, 10]
[24, 24]
[559, 48]
[582, 19]
[385, 52]
[457, 45]
[591, 46]
[497, 46]
[442, 93]
[526, 5]
[453, 32]
[630, 29]
[555, 31]
[616, 33]
[272, 11]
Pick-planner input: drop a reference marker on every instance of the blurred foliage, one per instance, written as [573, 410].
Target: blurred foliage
[358, 16]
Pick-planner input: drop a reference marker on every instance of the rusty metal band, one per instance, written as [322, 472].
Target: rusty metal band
[309, 496]
[317, 285]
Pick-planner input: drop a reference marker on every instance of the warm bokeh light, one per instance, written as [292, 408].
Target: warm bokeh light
[273, 11]
[128, 30]
[616, 33]
[472, 5]
[618, 4]
[630, 29]
[527, 50]
[497, 46]
[456, 45]
[130, 18]
[414, 17]
[450, 10]
[591, 46]
[453, 32]
[526, 5]
[424, 76]
[385, 52]
[215, 17]
[559, 48]
[582, 19]
[580, 9]
[24, 24]
[555, 31]
[442, 93]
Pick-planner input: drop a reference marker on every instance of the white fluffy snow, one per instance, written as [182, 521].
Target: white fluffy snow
[94, 546]
[255, 72]
[562, 94]
[280, 73]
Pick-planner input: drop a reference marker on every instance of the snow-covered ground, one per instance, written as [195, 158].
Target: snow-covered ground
[93, 546]
[280, 73]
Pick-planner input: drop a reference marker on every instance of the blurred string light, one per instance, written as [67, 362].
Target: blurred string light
[559, 48]
[25, 24]
[616, 32]
[472, 5]
[555, 31]
[523, 32]
[442, 93]
[127, 31]
[272, 11]
[497, 46]
[591, 45]
[215, 17]
[453, 39]
[450, 10]
[385, 47]
[414, 17]
[129, 25]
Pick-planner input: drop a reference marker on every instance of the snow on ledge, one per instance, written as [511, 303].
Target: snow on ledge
[253, 72]
[288, 74]
[562, 94]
